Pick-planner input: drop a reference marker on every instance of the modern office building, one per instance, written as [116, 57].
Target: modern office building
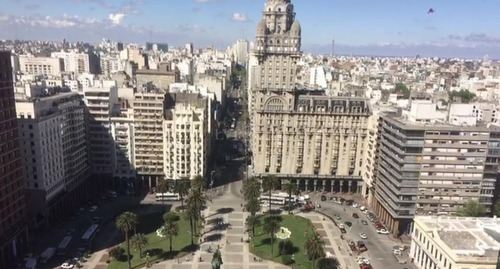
[454, 242]
[157, 46]
[305, 135]
[54, 144]
[187, 137]
[13, 229]
[427, 166]
[78, 62]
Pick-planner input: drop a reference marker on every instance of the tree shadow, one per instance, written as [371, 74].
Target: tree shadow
[225, 210]
[215, 220]
[123, 258]
[167, 255]
[213, 237]
[265, 241]
[190, 248]
[276, 211]
[154, 251]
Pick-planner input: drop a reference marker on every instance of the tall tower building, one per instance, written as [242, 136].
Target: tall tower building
[13, 232]
[304, 135]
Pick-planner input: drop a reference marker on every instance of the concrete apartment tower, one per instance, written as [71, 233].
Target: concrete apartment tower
[13, 232]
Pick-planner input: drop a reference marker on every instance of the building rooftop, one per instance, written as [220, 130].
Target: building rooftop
[465, 237]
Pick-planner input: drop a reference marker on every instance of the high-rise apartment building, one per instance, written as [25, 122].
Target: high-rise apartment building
[54, 143]
[32, 65]
[305, 135]
[13, 232]
[432, 167]
[187, 138]
[78, 62]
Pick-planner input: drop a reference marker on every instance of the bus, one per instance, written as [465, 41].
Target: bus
[277, 198]
[90, 233]
[167, 196]
[63, 246]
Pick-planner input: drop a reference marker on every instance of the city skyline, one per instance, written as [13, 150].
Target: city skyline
[395, 29]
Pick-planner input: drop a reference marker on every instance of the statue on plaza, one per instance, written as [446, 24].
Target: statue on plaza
[216, 260]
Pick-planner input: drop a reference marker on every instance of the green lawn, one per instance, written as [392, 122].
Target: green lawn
[158, 246]
[296, 225]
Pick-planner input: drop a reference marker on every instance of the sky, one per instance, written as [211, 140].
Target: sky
[457, 28]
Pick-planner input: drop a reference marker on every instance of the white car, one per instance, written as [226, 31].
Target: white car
[354, 204]
[382, 231]
[67, 265]
[341, 226]
[363, 236]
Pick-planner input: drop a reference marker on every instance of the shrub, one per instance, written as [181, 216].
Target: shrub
[171, 217]
[116, 253]
[285, 247]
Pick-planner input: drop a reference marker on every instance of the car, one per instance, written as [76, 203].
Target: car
[354, 204]
[348, 223]
[67, 265]
[363, 236]
[323, 198]
[364, 222]
[338, 217]
[382, 231]
[93, 209]
[355, 215]
[342, 230]
[341, 226]
[362, 208]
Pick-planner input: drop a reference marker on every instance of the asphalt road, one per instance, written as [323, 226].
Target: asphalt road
[380, 247]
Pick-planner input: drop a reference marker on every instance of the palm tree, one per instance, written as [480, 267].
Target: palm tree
[171, 229]
[269, 183]
[199, 182]
[252, 222]
[196, 200]
[163, 188]
[139, 241]
[251, 189]
[271, 227]
[127, 222]
[253, 206]
[182, 188]
[314, 247]
[290, 188]
[191, 214]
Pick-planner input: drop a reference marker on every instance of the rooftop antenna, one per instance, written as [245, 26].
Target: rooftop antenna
[333, 46]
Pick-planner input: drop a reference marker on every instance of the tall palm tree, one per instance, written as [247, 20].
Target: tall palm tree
[191, 214]
[269, 183]
[252, 222]
[163, 187]
[251, 189]
[197, 200]
[171, 229]
[199, 182]
[253, 206]
[314, 247]
[139, 241]
[271, 227]
[127, 222]
[182, 188]
[290, 188]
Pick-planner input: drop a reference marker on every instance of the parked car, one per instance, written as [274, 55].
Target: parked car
[382, 231]
[67, 265]
[348, 223]
[355, 215]
[363, 236]
[323, 198]
[364, 222]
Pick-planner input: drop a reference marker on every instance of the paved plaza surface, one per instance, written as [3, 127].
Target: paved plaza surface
[225, 229]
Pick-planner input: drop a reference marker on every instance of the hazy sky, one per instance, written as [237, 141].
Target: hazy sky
[373, 27]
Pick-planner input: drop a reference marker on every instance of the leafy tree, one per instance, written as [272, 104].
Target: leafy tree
[269, 183]
[116, 253]
[171, 229]
[471, 209]
[401, 88]
[290, 188]
[253, 206]
[271, 227]
[199, 183]
[163, 187]
[497, 209]
[139, 241]
[252, 222]
[182, 188]
[127, 222]
[314, 247]
[251, 189]
[328, 263]
[170, 217]
[465, 95]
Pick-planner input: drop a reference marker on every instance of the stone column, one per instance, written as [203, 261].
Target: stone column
[341, 186]
[298, 184]
[307, 184]
[315, 184]
[349, 182]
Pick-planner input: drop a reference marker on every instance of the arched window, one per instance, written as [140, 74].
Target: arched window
[279, 9]
[274, 104]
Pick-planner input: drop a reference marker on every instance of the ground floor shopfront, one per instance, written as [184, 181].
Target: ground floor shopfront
[13, 248]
